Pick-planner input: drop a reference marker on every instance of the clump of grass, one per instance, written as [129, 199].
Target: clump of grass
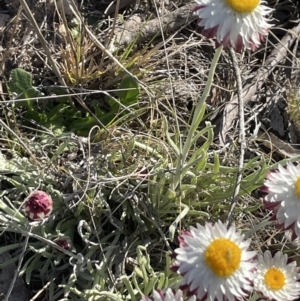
[78, 62]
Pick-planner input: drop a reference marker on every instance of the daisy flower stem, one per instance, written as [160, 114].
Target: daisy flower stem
[242, 138]
[196, 120]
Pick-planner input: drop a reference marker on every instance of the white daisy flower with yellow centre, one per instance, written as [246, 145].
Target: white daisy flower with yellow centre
[276, 279]
[234, 23]
[168, 295]
[215, 263]
[283, 196]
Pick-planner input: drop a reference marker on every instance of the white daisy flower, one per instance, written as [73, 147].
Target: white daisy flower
[215, 263]
[168, 295]
[283, 196]
[275, 279]
[234, 23]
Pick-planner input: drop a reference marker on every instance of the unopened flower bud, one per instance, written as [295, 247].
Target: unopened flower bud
[38, 205]
[64, 242]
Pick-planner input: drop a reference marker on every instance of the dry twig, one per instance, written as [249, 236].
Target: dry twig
[139, 31]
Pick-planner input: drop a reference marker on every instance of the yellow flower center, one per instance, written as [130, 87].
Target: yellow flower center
[297, 187]
[223, 256]
[243, 6]
[274, 279]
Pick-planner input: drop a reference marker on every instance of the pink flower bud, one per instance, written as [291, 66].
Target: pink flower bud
[64, 242]
[38, 205]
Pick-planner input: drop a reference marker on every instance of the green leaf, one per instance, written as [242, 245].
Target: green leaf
[57, 111]
[21, 84]
[129, 91]
[216, 163]
[9, 262]
[34, 264]
[31, 93]
[20, 81]
[36, 116]
[84, 124]
[10, 247]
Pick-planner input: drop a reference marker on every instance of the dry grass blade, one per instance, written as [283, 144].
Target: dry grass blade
[43, 42]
